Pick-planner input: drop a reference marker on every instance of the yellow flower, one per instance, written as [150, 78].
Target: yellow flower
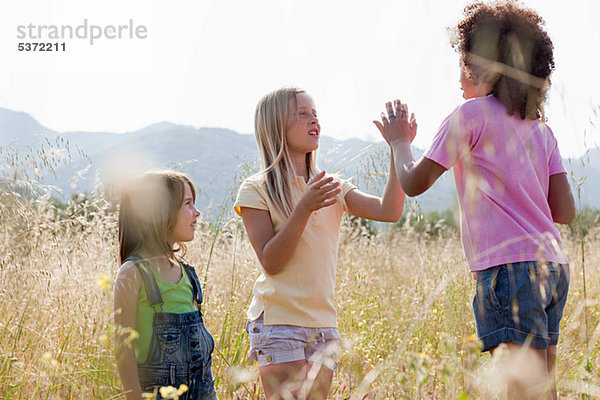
[470, 339]
[133, 334]
[169, 392]
[149, 395]
[103, 339]
[182, 389]
[103, 282]
[126, 335]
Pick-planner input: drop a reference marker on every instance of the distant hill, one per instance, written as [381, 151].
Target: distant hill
[216, 158]
[587, 169]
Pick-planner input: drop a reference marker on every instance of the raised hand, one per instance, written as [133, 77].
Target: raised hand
[320, 192]
[397, 126]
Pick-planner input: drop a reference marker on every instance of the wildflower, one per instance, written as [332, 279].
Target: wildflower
[103, 339]
[133, 334]
[103, 282]
[470, 339]
[127, 335]
[149, 395]
[169, 392]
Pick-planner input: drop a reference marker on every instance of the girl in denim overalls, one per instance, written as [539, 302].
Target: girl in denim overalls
[161, 340]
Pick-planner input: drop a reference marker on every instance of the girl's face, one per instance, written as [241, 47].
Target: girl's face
[186, 218]
[303, 126]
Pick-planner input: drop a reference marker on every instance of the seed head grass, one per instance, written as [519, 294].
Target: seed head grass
[404, 302]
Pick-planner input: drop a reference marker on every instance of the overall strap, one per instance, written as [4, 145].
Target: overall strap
[196, 288]
[154, 296]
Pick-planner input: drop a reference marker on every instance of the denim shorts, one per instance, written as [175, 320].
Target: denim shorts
[520, 303]
[275, 344]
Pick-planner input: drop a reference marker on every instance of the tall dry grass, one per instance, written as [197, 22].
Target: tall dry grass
[403, 299]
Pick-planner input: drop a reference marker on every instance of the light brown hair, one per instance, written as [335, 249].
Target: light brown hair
[148, 213]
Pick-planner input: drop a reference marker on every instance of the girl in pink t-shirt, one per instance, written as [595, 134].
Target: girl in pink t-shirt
[511, 186]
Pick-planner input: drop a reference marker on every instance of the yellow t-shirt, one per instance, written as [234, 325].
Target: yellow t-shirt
[302, 294]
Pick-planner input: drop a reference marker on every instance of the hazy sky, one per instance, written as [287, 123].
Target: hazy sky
[206, 63]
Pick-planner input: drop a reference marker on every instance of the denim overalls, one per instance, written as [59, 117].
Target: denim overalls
[180, 348]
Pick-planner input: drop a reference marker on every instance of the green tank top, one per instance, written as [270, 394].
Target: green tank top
[177, 299]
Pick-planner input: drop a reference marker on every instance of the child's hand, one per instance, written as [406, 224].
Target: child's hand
[397, 126]
[320, 192]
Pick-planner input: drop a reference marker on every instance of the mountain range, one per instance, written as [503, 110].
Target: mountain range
[217, 159]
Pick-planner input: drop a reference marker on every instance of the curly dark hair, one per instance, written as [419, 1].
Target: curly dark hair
[504, 44]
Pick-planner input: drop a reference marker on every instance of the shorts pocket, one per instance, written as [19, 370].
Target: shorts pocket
[493, 284]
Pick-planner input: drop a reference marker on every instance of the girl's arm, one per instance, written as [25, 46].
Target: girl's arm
[127, 287]
[275, 250]
[387, 208]
[415, 176]
[560, 199]
[399, 132]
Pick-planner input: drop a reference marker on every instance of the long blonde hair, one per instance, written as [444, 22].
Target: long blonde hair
[270, 126]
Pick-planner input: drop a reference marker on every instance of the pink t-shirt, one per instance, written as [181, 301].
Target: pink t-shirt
[502, 166]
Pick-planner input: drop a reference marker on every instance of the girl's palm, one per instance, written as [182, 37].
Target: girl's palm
[397, 126]
[320, 192]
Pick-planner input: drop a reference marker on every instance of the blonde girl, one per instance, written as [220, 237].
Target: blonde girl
[292, 213]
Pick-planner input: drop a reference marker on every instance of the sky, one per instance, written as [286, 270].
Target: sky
[207, 63]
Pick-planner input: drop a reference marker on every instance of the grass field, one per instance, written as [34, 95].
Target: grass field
[403, 299]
